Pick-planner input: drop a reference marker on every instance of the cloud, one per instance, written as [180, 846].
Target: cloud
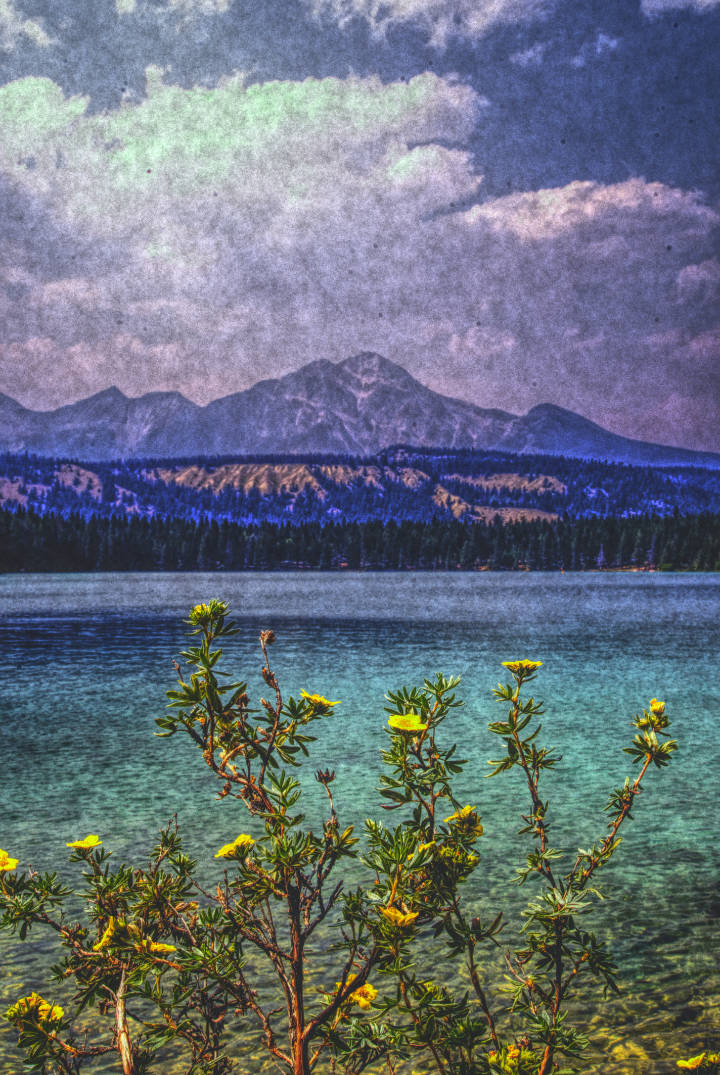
[659, 7]
[530, 57]
[200, 7]
[117, 362]
[235, 202]
[183, 8]
[229, 234]
[700, 283]
[247, 189]
[595, 48]
[37, 245]
[271, 148]
[15, 29]
[599, 209]
[602, 45]
[441, 19]
[673, 384]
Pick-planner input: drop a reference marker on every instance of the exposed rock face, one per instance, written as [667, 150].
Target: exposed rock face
[357, 407]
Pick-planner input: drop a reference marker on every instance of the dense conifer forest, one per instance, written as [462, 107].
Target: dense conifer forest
[399, 484]
[403, 509]
[52, 542]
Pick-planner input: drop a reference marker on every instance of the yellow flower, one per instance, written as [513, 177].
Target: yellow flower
[107, 935]
[201, 615]
[89, 841]
[456, 854]
[236, 848]
[694, 1062]
[657, 708]
[156, 946]
[522, 668]
[467, 821]
[35, 1005]
[364, 996]
[226, 851]
[410, 723]
[461, 815]
[421, 848]
[318, 700]
[397, 918]
[7, 863]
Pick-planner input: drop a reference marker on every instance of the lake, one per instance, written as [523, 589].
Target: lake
[87, 660]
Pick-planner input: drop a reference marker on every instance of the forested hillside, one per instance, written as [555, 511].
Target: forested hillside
[400, 485]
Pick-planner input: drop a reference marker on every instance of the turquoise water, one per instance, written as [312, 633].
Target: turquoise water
[87, 659]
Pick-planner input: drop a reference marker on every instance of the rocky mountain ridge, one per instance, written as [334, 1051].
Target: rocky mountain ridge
[358, 407]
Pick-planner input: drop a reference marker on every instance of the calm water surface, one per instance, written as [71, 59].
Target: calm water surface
[87, 659]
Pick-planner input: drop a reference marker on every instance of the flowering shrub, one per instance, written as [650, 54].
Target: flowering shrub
[177, 973]
[702, 1062]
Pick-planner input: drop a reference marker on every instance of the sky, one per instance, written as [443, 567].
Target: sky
[517, 200]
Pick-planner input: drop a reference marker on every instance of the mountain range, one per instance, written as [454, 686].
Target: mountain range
[358, 407]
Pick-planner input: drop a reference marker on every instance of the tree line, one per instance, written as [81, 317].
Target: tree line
[49, 542]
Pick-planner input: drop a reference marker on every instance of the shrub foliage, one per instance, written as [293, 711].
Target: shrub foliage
[283, 955]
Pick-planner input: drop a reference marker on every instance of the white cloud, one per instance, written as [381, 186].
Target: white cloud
[440, 18]
[184, 8]
[15, 29]
[605, 43]
[659, 7]
[481, 342]
[602, 45]
[241, 204]
[202, 7]
[530, 57]
[545, 214]
[261, 226]
[190, 9]
[190, 171]
[700, 283]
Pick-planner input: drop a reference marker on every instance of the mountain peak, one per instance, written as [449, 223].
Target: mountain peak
[12, 404]
[548, 408]
[161, 396]
[113, 392]
[318, 365]
[107, 398]
[369, 366]
[358, 406]
[108, 395]
[553, 410]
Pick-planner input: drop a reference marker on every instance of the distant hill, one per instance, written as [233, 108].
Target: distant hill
[400, 484]
[356, 407]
